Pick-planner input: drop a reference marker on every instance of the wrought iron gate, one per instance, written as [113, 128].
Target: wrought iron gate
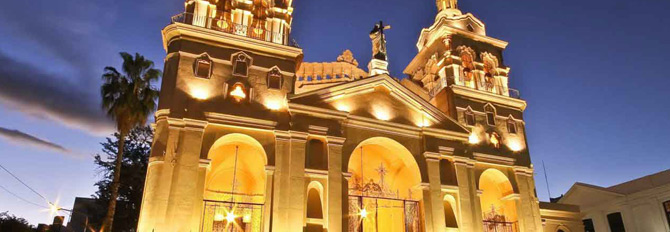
[232, 217]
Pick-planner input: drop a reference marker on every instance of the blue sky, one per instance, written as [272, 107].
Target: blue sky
[593, 72]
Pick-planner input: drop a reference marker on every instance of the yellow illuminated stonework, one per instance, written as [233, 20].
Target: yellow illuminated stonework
[330, 146]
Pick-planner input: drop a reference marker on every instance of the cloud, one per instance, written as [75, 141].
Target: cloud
[31, 141]
[37, 93]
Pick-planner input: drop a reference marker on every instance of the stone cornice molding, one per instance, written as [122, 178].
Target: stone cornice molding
[432, 156]
[317, 174]
[298, 136]
[524, 171]
[335, 141]
[317, 112]
[494, 159]
[282, 135]
[246, 122]
[511, 197]
[317, 130]
[270, 170]
[181, 30]
[449, 188]
[489, 97]
[447, 151]
[463, 161]
[205, 163]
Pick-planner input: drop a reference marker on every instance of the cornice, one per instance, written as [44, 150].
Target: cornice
[494, 159]
[179, 30]
[489, 97]
[335, 141]
[233, 120]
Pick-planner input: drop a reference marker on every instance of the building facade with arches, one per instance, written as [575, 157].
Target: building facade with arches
[248, 137]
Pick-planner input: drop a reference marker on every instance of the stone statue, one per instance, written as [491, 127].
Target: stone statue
[379, 41]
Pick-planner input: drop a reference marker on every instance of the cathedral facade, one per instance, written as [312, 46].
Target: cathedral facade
[248, 137]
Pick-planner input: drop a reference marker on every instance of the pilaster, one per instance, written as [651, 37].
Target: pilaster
[470, 208]
[530, 209]
[280, 195]
[433, 195]
[183, 191]
[296, 185]
[335, 184]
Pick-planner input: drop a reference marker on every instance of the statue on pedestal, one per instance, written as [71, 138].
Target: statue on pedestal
[379, 41]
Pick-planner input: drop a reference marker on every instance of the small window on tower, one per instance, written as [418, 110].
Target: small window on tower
[470, 117]
[203, 68]
[274, 79]
[241, 65]
[511, 126]
[490, 115]
[471, 28]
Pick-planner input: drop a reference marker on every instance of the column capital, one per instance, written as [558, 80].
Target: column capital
[335, 141]
[432, 156]
[205, 163]
[523, 171]
[462, 161]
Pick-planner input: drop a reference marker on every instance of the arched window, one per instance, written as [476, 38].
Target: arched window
[241, 65]
[314, 211]
[275, 79]
[490, 114]
[511, 125]
[316, 157]
[469, 117]
[202, 67]
[449, 213]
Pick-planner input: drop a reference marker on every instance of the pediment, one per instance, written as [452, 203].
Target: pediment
[586, 195]
[379, 98]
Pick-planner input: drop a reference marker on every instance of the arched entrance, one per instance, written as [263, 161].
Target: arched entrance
[383, 194]
[234, 191]
[498, 205]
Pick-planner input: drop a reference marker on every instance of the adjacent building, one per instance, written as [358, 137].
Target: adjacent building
[248, 137]
[640, 205]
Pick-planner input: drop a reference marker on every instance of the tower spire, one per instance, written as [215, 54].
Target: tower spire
[449, 7]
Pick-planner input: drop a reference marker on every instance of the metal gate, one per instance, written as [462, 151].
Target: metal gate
[365, 211]
[221, 216]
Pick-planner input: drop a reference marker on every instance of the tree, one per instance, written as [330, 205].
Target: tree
[129, 99]
[14, 223]
[133, 172]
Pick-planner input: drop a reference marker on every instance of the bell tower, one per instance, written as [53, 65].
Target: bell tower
[462, 72]
[229, 63]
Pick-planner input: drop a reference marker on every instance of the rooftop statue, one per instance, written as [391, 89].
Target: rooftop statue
[379, 41]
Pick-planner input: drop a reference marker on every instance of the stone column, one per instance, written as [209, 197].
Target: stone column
[280, 195]
[297, 186]
[432, 195]
[470, 206]
[267, 207]
[335, 184]
[183, 191]
[198, 199]
[530, 209]
[159, 175]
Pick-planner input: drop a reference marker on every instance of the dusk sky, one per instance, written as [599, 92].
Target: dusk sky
[594, 73]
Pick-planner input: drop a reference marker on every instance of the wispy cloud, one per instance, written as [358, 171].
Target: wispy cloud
[32, 141]
[29, 90]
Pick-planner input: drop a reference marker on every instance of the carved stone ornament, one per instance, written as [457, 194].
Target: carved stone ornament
[347, 56]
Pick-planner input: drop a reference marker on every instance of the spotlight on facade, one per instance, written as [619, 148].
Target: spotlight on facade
[274, 104]
[246, 218]
[230, 217]
[473, 139]
[364, 213]
[199, 93]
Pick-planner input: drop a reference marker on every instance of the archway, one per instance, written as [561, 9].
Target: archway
[234, 191]
[450, 216]
[498, 205]
[383, 191]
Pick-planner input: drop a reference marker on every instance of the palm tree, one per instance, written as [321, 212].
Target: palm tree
[129, 99]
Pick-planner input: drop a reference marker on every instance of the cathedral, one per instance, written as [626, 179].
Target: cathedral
[249, 138]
